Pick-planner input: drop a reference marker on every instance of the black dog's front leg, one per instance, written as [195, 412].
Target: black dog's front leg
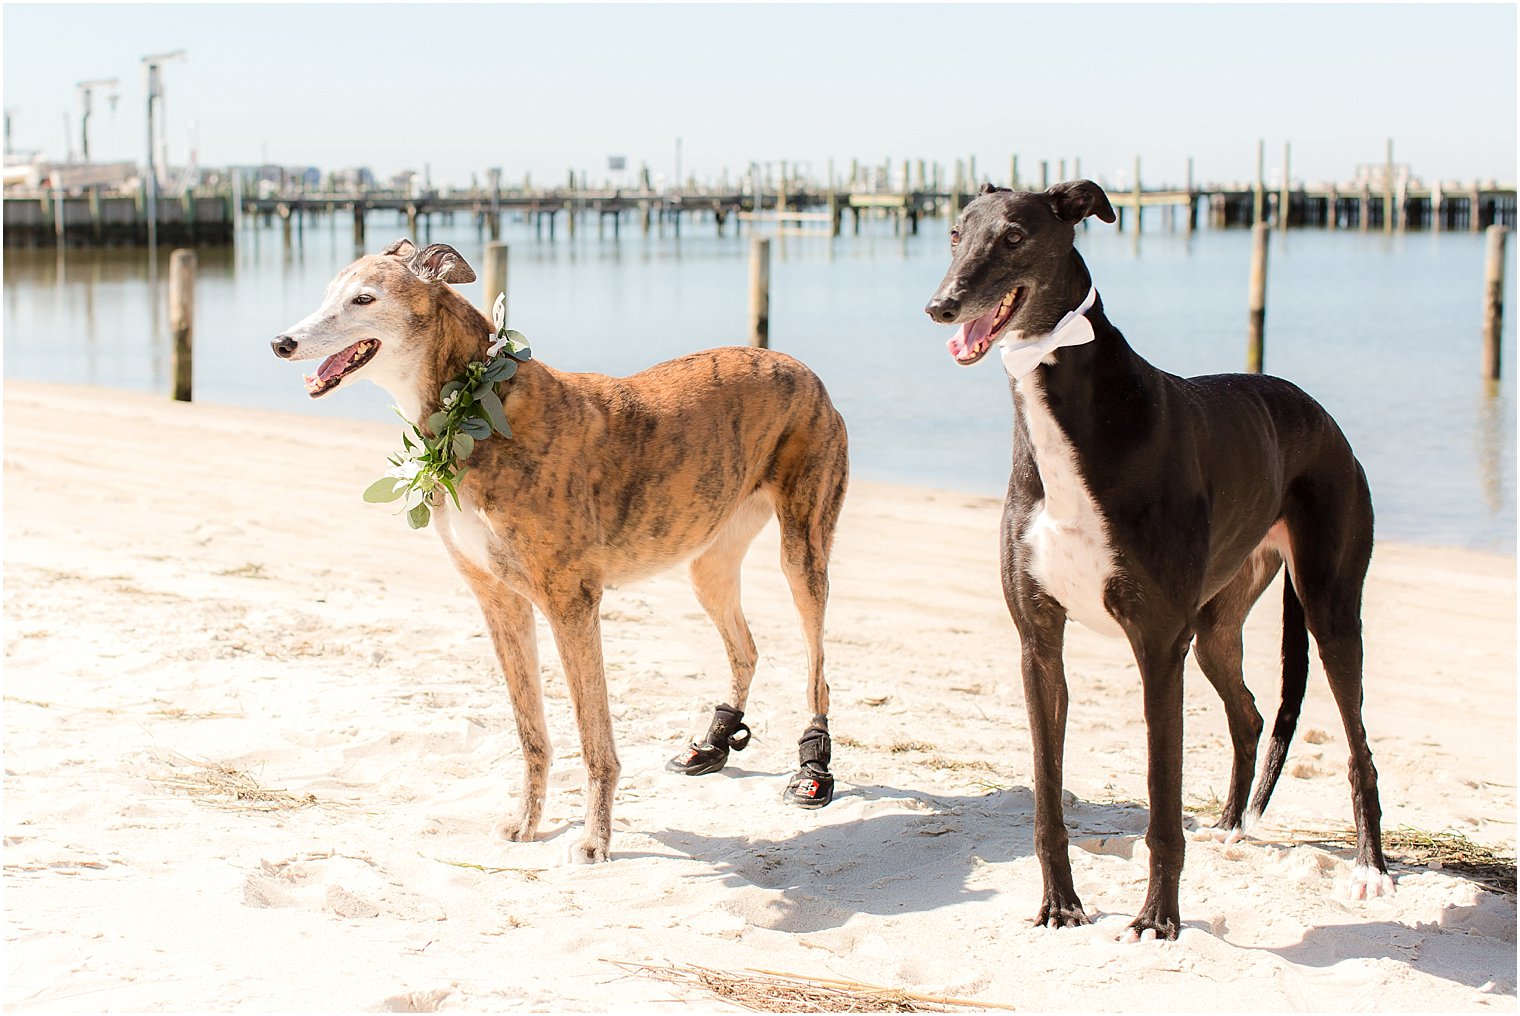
[1042, 631]
[1160, 653]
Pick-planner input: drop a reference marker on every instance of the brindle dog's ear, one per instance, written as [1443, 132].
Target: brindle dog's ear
[1075, 200]
[402, 248]
[987, 188]
[439, 262]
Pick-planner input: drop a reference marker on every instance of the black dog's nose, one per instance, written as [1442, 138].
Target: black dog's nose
[284, 347]
[943, 309]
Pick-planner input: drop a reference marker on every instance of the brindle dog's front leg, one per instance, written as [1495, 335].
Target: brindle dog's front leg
[509, 617]
[1042, 631]
[574, 616]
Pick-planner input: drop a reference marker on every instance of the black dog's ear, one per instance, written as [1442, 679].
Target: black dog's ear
[402, 248]
[987, 188]
[1075, 200]
[439, 262]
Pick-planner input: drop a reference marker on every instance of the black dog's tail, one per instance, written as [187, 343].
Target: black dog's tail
[1295, 661]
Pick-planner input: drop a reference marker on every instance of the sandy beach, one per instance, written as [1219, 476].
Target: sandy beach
[255, 741]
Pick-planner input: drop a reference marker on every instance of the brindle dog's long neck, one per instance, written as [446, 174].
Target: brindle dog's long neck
[462, 334]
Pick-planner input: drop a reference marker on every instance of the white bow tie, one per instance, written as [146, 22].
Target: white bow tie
[1022, 355]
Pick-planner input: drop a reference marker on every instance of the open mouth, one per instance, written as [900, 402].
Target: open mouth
[972, 340]
[338, 366]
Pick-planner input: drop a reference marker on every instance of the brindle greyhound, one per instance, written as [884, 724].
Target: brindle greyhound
[1156, 508]
[604, 480]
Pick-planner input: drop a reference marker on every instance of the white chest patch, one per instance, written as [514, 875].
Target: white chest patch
[466, 532]
[1070, 555]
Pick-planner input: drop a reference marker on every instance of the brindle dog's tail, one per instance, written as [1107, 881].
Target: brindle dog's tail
[1295, 661]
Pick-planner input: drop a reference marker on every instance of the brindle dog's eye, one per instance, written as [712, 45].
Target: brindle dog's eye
[363, 298]
[1014, 237]
[955, 237]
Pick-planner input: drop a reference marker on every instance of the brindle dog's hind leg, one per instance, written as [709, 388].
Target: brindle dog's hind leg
[715, 578]
[808, 499]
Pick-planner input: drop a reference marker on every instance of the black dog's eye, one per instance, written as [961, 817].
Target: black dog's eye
[955, 237]
[363, 298]
[1013, 238]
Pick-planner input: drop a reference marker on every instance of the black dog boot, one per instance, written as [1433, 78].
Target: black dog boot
[813, 786]
[728, 731]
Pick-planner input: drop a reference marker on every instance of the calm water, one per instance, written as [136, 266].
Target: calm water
[1383, 331]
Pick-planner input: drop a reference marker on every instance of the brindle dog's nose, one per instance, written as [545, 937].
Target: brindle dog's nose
[943, 308]
[284, 347]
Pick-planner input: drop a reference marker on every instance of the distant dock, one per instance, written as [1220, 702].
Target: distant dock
[94, 218]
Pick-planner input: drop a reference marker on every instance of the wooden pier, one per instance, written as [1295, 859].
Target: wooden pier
[795, 206]
[95, 219]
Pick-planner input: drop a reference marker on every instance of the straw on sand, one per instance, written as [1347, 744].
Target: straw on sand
[774, 991]
[222, 786]
[1446, 851]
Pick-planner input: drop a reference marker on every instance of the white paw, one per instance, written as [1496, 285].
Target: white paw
[1214, 834]
[588, 851]
[1367, 882]
[514, 830]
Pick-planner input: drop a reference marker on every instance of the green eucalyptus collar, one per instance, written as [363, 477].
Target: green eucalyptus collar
[469, 410]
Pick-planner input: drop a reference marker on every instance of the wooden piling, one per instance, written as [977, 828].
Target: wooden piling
[58, 214]
[1257, 302]
[1493, 300]
[358, 223]
[494, 222]
[493, 275]
[1044, 175]
[182, 319]
[1259, 194]
[97, 224]
[1192, 199]
[236, 218]
[1013, 172]
[1283, 198]
[760, 292]
[833, 202]
[1137, 195]
[1388, 188]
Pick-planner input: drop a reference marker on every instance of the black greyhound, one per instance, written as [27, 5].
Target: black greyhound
[1156, 508]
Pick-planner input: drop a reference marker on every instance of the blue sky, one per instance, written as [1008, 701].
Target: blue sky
[544, 88]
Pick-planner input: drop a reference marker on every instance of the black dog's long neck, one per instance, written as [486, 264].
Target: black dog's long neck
[1097, 391]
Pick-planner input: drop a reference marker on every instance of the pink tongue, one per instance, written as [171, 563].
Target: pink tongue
[334, 364]
[962, 344]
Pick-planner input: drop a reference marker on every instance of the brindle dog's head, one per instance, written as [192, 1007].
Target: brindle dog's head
[368, 314]
[1011, 263]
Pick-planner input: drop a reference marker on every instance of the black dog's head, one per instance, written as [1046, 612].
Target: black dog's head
[1012, 264]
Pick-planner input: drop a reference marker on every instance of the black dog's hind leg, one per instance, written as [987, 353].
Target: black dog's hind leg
[1220, 657]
